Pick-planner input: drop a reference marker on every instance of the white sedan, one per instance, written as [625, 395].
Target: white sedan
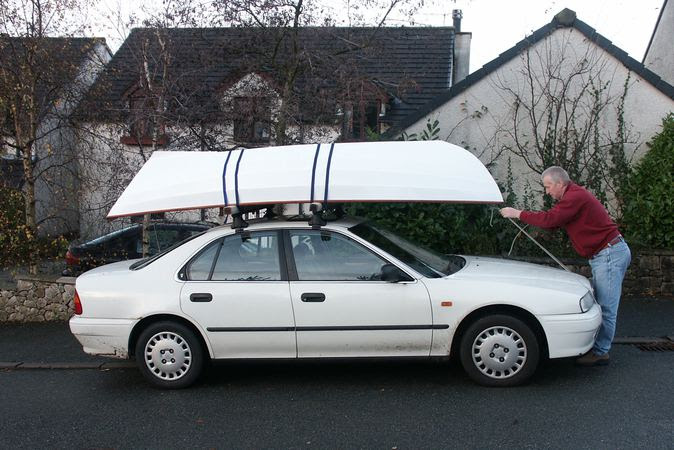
[281, 289]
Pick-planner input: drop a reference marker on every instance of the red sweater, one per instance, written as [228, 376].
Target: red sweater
[583, 217]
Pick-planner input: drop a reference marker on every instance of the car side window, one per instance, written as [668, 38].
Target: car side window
[199, 268]
[238, 258]
[322, 255]
[251, 258]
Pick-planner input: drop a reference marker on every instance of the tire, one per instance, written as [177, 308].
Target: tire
[169, 355]
[499, 351]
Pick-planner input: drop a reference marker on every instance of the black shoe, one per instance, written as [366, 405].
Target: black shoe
[592, 359]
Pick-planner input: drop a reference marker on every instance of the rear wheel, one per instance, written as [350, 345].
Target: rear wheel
[169, 355]
[499, 350]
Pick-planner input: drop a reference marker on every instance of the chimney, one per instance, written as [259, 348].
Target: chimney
[461, 57]
[457, 15]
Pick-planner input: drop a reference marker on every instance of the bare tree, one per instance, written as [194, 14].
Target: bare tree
[272, 73]
[281, 43]
[44, 70]
[567, 110]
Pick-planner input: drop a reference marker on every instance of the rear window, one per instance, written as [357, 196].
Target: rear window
[150, 259]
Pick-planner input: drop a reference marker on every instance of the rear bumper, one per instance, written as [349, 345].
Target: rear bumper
[104, 337]
[571, 334]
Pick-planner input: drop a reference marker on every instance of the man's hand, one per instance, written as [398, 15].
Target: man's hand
[510, 213]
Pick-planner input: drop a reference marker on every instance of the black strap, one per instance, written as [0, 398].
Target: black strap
[224, 174]
[327, 174]
[236, 177]
[313, 172]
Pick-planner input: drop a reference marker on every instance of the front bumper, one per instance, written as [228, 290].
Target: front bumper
[571, 334]
[104, 337]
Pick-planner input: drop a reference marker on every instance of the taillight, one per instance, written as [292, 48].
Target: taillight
[71, 259]
[77, 303]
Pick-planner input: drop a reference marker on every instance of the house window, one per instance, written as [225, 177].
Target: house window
[365, 116]
[143, 124]
[7, 134]
[252, 119]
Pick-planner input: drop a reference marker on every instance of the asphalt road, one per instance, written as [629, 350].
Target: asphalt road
[628, 404]
[412, 404]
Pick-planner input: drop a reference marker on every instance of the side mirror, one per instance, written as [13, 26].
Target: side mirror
[392, 274]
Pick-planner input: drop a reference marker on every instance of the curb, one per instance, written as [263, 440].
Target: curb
[117, 365]
[67, 365]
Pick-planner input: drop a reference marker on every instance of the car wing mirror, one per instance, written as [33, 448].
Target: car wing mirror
[393, 274]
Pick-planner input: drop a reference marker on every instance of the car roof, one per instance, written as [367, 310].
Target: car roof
[292, 222]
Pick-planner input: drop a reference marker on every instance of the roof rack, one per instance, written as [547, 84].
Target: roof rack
[237, 212]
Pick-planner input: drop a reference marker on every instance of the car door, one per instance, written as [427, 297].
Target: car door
[344, 309]
[236, 288]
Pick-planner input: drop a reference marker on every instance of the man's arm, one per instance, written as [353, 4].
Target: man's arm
[559, 215]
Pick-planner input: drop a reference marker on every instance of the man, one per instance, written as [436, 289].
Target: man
[594, 236]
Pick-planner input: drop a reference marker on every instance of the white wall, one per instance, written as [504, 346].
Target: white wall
[56, 185]
[660, 55]
[106, 167]
[482, 117]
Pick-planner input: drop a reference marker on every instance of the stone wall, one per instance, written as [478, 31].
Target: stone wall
[651, 273]
[38, 299]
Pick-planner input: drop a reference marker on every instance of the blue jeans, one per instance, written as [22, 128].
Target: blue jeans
[608, 270]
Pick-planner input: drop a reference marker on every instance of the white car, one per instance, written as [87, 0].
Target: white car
[281, 289]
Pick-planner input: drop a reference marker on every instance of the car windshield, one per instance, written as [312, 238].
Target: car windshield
[150, 259]
[427, 262]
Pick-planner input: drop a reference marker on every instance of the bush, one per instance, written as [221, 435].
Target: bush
[18, 245]
[466, 229]
[648, 218]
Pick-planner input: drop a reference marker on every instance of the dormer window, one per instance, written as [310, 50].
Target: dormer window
[252, 122]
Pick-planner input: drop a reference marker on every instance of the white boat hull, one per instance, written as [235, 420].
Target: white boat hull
[402, 171]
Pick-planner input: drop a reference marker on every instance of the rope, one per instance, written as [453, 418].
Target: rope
[542, 248]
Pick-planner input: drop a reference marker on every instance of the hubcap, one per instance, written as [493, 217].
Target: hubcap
[168, 356]
[499, 352]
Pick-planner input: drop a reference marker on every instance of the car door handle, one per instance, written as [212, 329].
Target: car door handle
[313, 297]
[201, 297]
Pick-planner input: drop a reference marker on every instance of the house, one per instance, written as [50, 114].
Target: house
[41, 82]
[219, 88]
[659, 56]
[563, 94]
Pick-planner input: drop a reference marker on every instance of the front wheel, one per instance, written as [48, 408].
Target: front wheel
[169, 355]
[499, 350]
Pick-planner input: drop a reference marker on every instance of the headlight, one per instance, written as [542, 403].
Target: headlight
[586, 302]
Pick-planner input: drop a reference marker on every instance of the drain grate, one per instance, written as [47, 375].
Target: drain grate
[656, 347]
